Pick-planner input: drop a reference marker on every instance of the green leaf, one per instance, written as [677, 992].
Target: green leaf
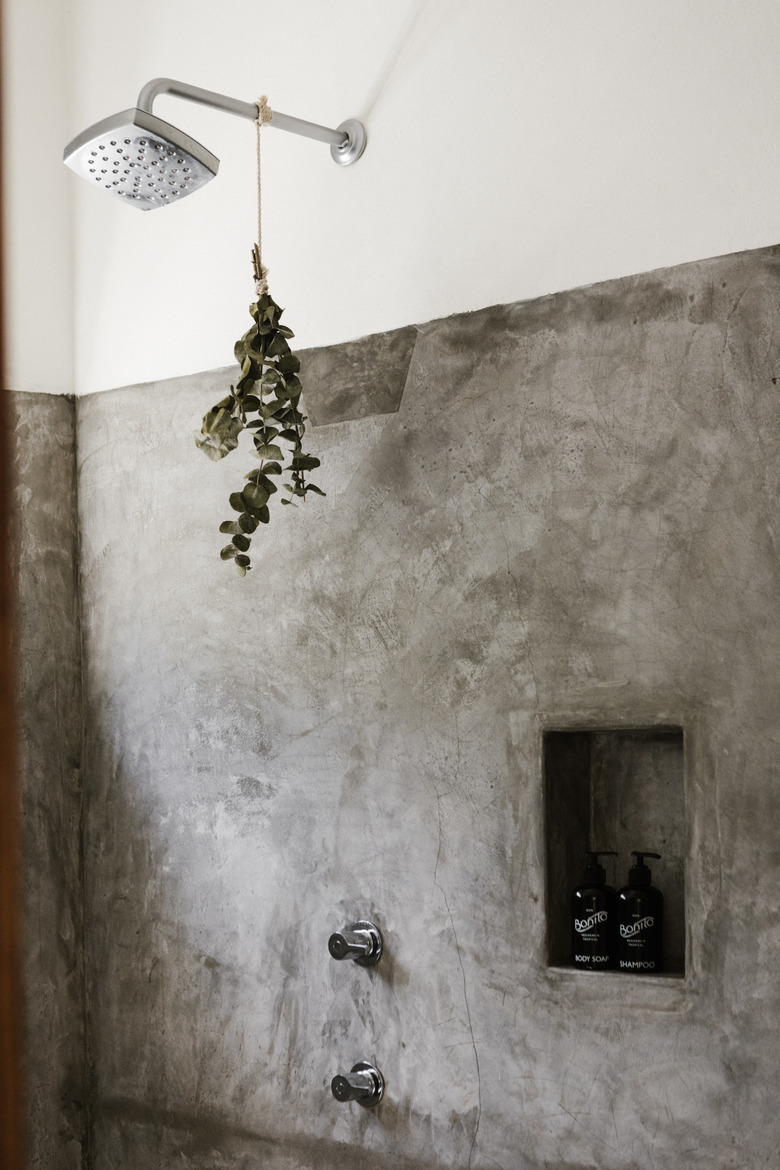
[242, 542]
[268, 451]
[247, 382]
[219, 433]
[247, 523]
[289, 364]
[235, 500]
[267, 484]
[278, 347]
[254, 496]
[269, 409]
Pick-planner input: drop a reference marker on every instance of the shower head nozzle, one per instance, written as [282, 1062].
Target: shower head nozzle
[141, 159]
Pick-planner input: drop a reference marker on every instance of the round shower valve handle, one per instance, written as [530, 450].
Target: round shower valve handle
[364, 1084]
[361, 942]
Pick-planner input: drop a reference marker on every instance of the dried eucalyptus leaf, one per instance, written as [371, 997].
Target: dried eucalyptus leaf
[312, 487]
[236, 501]
[268, 451]
[264, 515]
[304, 463]
[278, 347]
[270, 409]
[228, 552]
[289, 364]
[246, 522]
[241, 542]
[219, 433]
[230, 526]
[255, 496]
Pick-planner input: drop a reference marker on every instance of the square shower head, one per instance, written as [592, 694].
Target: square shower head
[141, 159]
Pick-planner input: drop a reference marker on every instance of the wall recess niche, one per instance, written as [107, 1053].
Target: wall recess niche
[614, 789]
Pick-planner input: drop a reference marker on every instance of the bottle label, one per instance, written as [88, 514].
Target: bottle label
[581, 925]
[631, 929]
[637, 965]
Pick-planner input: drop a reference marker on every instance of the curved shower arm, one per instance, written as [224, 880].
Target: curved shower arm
[337, 138]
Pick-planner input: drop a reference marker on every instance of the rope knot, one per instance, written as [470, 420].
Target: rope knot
[264, 112]
[261, 285]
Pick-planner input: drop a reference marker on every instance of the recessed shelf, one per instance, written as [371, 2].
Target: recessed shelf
[614, 789]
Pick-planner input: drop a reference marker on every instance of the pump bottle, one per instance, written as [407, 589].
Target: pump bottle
[594, 917]
[640, 920]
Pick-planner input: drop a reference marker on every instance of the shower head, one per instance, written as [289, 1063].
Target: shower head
[149, 163]
[138, 157]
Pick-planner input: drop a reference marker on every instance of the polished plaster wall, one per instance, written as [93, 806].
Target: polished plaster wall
[569, 523]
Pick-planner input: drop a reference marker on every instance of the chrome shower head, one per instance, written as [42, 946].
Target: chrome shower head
[149, 163]
[141, 159]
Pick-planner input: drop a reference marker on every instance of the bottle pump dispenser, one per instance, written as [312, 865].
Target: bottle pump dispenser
[640, 920]
[593, 913]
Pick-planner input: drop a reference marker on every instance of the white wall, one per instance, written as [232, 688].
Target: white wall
[515, 148]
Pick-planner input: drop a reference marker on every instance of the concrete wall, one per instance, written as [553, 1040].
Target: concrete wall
[50, 723]
[570, 522]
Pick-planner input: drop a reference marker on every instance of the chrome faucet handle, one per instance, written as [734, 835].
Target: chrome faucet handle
[361, 942]
[365, 1084]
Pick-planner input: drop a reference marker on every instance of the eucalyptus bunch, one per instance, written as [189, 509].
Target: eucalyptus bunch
[269, 389]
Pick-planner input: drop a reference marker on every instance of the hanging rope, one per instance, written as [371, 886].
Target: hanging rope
[264, 116]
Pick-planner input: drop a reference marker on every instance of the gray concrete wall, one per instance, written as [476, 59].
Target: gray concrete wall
[570, 522]
[50, 725]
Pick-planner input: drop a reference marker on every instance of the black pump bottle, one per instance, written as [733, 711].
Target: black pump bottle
[594, 917]
[640, 920]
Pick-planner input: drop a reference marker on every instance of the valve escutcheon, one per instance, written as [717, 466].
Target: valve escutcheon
[364, 1084]
[361, 942]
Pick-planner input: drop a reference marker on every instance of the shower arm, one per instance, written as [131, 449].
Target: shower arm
[347, 142]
